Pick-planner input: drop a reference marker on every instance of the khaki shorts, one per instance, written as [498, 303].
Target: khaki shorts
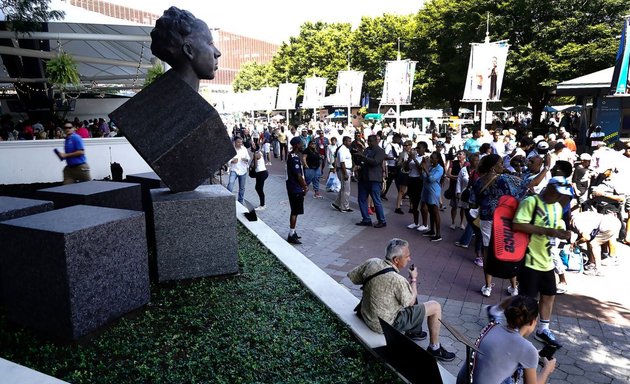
[76, 174]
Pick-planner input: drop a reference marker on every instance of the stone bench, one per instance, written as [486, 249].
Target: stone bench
[69, 271]
[98, 193]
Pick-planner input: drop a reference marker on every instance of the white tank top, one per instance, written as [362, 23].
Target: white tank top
[260, 164]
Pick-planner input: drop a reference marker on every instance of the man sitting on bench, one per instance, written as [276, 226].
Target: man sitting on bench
[394, 299]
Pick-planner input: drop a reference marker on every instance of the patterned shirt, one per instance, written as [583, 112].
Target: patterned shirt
[384, 295]
[488, 199]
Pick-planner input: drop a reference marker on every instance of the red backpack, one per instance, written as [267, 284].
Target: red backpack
[506, 255]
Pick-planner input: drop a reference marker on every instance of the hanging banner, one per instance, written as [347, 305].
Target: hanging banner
[398, 82]
[267, 98]
[314, 91]
[349, 84]
[620, 84]
[287, 95]
[485, 71]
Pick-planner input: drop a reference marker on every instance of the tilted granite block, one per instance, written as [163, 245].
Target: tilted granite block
[14, 207]
[99, 193]
[69, 271]
[195, 233]
[176, 132]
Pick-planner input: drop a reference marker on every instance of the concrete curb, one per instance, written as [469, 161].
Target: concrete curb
[332, 294]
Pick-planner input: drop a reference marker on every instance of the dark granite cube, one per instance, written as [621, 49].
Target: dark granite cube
[195, 233]
[176, 132]
[14, 207]
[147, 181]
[69, 271]
[99, 193]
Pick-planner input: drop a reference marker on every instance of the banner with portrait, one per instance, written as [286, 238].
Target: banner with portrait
[620, 84]
[314, 92]
[349, 84]
[398, 82]
[287, 95]
[485, 71]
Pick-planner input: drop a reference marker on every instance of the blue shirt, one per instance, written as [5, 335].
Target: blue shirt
[294, 168]
[472, 145]
[74, 143]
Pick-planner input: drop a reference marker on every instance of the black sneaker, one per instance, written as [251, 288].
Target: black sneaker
[547, 337]
[383, 198]
[364, 223]
[416, 336]
[399, 211]
[293, 239]
[441, 354]
[436, 238]
[335, 206]
[349, 210]
[429, 234]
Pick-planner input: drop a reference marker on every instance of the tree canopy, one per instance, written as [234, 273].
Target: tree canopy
[26, 15]
[550, 41]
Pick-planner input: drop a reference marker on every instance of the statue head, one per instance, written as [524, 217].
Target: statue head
[186, 44]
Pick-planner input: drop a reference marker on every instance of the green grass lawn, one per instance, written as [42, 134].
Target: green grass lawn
[262, 326]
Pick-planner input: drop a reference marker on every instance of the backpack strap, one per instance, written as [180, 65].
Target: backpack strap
[382, 271]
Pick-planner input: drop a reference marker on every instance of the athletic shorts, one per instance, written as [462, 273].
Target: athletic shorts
[296, 202]
[532, 282]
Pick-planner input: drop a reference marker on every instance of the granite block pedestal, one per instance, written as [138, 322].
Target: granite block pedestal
[98, 193]
[15, 207]
[69, 271]
[195, 233]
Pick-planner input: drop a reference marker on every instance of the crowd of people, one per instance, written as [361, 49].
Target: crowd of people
[36, 130]
[569, 204]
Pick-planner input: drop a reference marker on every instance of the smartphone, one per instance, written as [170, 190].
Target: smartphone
[547, 352]
[413, 266]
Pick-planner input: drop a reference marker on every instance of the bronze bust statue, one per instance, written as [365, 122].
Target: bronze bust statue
[186, 44]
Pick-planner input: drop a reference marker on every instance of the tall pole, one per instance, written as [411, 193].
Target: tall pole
[484, 98]
[399, 94]
[349, 99]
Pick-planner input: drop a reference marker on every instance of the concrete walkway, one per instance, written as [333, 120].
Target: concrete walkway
[592, 320]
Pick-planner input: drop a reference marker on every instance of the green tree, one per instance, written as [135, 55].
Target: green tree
[374, 42]
[550, 41]
[26, 15]
[253, 76]
[554, 40]
[444, 31]
[320, 49]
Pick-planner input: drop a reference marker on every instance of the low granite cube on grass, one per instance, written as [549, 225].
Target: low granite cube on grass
[195, 233]
[99, 193]
[67, 272]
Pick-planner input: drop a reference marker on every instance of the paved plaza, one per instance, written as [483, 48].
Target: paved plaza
[592, 320]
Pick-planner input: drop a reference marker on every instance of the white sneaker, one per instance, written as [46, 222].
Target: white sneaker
[260, 208]
[462, 227]
[422, 228]
[452, 226]
[512, 291]
[561, 288]
[486, 291]
[412, 226]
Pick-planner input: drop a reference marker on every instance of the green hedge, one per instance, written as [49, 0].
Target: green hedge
[262, 326]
